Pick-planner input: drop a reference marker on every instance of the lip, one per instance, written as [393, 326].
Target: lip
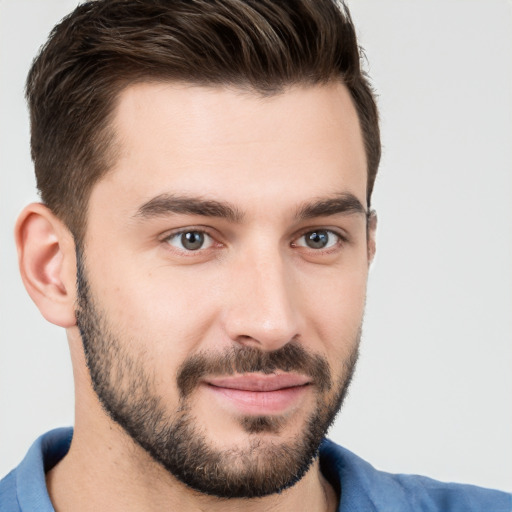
[259, 394]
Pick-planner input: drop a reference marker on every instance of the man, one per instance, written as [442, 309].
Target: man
[206, 171]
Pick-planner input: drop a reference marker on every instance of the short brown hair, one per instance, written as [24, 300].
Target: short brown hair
[105, 45]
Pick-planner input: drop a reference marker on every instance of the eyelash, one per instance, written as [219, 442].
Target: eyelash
[339, 240]
[177, 235]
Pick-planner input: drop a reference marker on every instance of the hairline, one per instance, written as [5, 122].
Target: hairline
[107, 130]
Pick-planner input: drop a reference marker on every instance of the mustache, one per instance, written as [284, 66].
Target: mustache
[292, 357]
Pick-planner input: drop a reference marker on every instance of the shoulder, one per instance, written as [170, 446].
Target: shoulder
[24, 488]
[365, 488]
[8, 498]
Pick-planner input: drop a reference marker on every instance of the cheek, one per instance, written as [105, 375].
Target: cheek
[164, 313]
[336, 311]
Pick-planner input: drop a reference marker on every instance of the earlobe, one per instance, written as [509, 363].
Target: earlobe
[46, 256]
[371, 235]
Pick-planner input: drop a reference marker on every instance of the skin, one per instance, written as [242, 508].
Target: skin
[256, 283]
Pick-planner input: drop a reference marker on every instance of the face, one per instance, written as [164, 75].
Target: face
[222, 278]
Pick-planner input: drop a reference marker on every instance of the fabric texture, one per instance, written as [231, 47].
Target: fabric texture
[361, 487]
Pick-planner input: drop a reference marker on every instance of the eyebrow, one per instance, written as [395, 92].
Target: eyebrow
[165, 204]
[346, 203]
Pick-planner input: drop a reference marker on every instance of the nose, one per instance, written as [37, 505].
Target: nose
[263, 310]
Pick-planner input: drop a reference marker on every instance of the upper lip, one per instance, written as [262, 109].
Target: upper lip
[259, 382]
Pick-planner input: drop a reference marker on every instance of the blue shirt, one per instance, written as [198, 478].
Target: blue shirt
[361, 487]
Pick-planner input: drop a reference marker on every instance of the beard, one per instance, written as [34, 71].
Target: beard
[126, 389]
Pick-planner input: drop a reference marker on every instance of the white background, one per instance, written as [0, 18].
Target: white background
[432, 393]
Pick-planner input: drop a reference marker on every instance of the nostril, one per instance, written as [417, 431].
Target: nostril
[247, 341]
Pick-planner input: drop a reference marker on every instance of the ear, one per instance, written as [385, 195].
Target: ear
[371, 231]
[46, 256]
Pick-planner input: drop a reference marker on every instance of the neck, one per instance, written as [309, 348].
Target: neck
[115, 474]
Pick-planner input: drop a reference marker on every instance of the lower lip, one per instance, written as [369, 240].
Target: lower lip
[260, 402]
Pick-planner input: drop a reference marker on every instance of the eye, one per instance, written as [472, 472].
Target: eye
[318, 239]
[192, 240]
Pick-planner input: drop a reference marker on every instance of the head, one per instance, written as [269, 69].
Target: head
[102, 47]
[211, 165]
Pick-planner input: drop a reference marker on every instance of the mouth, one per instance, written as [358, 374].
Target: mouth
[259, 394]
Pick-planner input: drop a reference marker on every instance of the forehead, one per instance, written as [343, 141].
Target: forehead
[232, 144]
